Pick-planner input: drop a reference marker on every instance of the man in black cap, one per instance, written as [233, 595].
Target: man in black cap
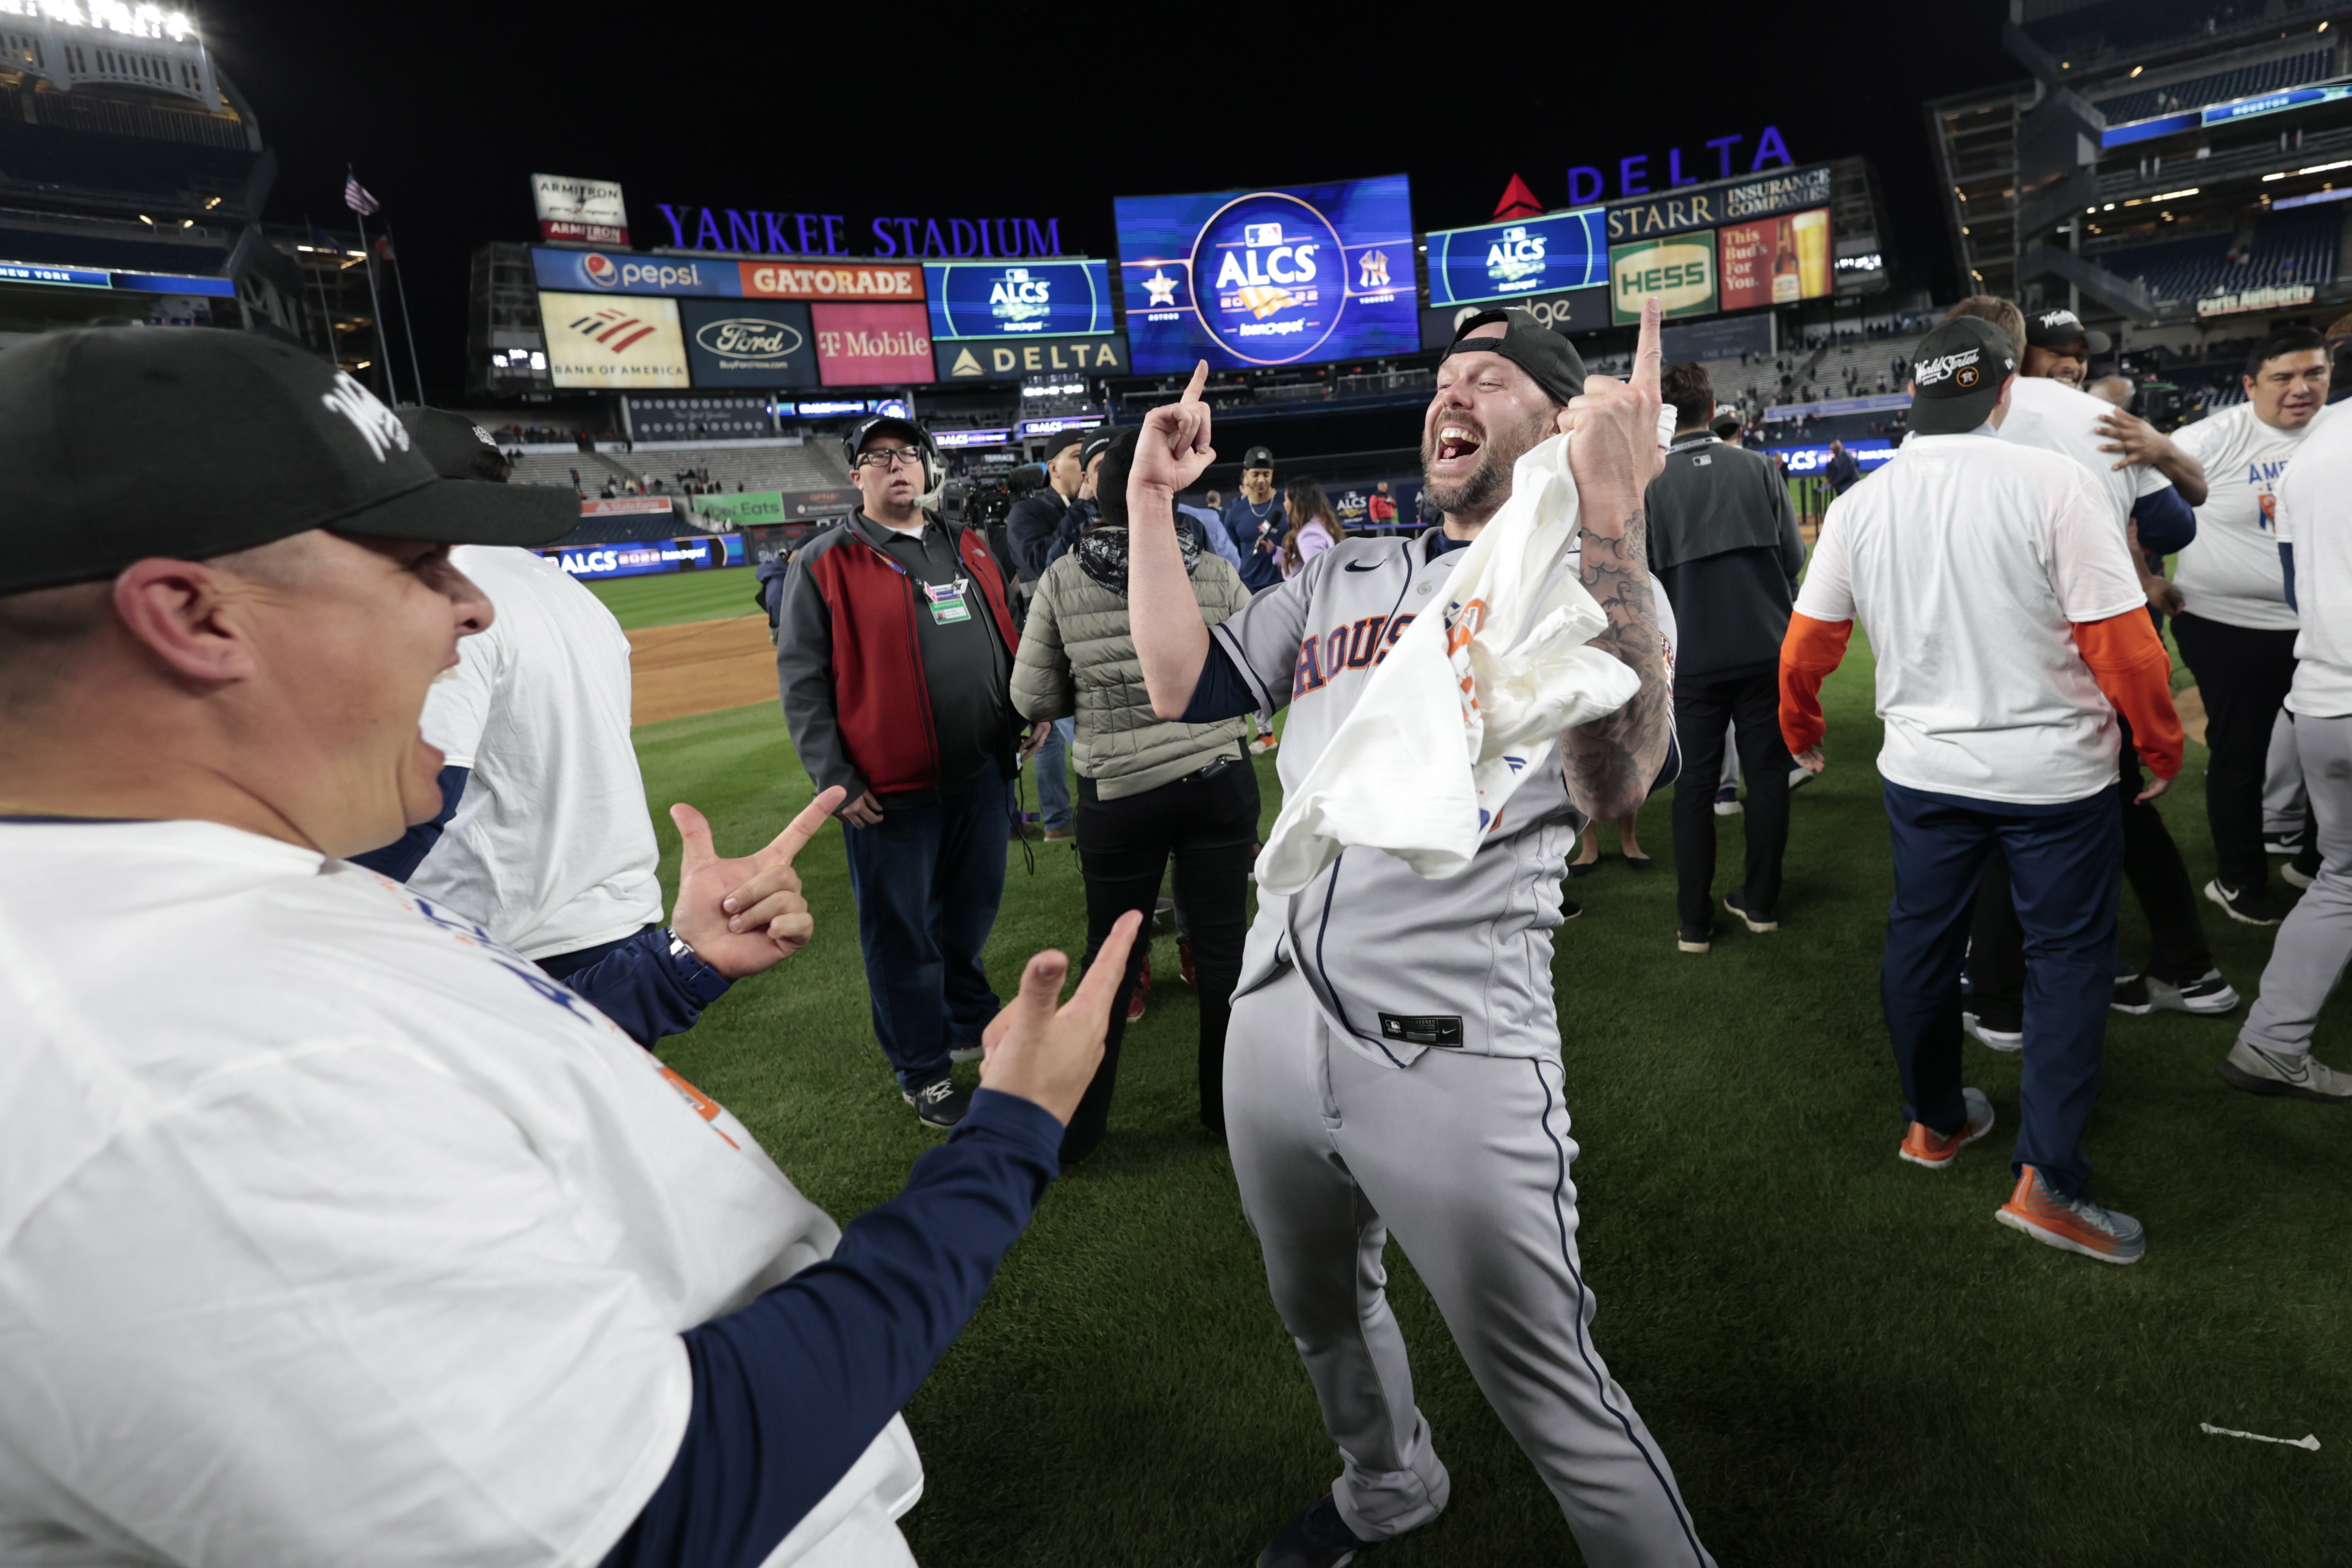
[2058, 347]
[2009, 631]
[893, 659]
[1253, 520]
[1394, 1055]
[336, 1215]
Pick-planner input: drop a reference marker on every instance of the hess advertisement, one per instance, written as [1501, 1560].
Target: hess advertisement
[1506, 262]
[1269, 277]
[1017, 300]
[1680, 272]
[749, 343]
[613, 344]
[1778, 261]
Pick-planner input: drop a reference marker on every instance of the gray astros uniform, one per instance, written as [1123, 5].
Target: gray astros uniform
[1394, 1064]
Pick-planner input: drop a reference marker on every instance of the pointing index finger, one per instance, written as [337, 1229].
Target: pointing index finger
[1649, 354]
[1199, 379]
[805, 827]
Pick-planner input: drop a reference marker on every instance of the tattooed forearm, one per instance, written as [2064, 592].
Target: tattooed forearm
[1610, 762]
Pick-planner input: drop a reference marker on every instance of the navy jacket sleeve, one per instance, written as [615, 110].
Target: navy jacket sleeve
[399, 859]
[2166, 523]
[653, 986]
[790, 1390]
[1220, 692]
[2286, 564]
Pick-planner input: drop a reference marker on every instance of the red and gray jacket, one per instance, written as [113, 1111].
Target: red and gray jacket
[849, 662]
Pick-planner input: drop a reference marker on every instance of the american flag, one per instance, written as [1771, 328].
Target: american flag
[356, 197]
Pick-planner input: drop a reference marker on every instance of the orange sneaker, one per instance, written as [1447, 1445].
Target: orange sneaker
[1923, 1145]
[2072, 1225]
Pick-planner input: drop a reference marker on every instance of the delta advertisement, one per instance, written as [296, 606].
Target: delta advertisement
[613, 344]
[1284, 277]
[700, 554]
[871, 345]
[1777, 261]
[981, 299]
[1103, 355]
[1498, 263]
[588, 211]
[1679, 272]
[743, 343]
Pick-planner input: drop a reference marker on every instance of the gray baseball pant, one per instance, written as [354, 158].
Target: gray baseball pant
[1465, 1158]
[2313, 946]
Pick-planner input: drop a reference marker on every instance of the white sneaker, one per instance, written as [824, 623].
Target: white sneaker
[2293, 877]
[966, 1053]
[1799, 775]
[2209, 993]
[1998, 1039]
[2260, 1072]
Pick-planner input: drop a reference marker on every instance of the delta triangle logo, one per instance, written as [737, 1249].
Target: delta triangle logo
[1517, 202]
[965, 365]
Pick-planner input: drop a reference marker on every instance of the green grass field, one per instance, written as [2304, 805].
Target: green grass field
[669, 597]
[1847, 1361]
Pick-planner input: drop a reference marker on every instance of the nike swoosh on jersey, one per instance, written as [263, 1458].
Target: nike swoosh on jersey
[1364, 565]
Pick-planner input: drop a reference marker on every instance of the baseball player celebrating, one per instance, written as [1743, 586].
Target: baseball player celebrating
[1394, 1056]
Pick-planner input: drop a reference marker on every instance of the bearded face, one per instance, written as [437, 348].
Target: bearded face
[1487, 416]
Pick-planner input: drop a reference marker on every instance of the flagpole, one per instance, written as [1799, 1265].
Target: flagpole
[326, 311]
[375, 300]
[407, 322]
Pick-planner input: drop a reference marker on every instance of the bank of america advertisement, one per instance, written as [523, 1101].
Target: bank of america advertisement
[594, 340]
[1500, 262]
[1281, 276]
[982, 299]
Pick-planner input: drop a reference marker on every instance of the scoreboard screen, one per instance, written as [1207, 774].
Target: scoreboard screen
[1278, 276]
[1017, 298]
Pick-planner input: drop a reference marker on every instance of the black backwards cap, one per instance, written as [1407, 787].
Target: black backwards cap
[1527, 343]
[1957, 373]
[456, 446]
[123, 442]
[2054, 329]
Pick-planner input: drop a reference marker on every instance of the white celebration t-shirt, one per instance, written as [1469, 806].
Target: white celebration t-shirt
[2315, 515]
[551, 849]
[2054, 417]
[1967, 560]
[2231, 572]
[332, 1231]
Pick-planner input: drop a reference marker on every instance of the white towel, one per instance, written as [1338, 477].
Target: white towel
[1467, 703]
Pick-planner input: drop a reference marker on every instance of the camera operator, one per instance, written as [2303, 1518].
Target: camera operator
[1029, 526]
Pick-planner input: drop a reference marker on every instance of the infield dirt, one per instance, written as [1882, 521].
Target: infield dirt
[701, 667]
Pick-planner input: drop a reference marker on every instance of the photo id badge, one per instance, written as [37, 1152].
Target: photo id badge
[947, 601]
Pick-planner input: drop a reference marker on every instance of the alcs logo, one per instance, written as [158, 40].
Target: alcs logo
[1517, 255]
[1017, 297]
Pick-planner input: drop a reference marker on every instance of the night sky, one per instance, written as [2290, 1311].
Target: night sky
[1009, 111]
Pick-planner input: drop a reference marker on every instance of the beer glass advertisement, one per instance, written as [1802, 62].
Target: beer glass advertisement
[1775, 261]
[1679, 271]
[1284, 277]
[604, 343]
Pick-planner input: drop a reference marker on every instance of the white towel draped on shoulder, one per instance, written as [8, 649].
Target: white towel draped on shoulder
[1467, 703]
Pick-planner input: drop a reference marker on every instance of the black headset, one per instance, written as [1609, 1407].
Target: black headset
[934, 471]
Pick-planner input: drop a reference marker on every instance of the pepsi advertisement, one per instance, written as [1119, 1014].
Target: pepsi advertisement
[1017, 298]
[1499, 263]
[1283, 276]
[619, 272]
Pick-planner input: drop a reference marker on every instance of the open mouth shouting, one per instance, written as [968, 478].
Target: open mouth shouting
[1454, 446]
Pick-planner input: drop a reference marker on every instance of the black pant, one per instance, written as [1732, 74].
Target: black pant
[1208, 822]
[2243, 676]
[1750, 703]
[2179, 951]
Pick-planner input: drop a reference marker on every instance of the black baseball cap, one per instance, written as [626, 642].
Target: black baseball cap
[1527, 343]
[1258, 457]
[123, 442]
[1097, 441]
[1958, 372]
[2056, 329]
[1062, 441]
[456, 446]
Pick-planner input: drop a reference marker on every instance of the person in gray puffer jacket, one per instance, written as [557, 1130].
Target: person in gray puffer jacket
[1149, 788]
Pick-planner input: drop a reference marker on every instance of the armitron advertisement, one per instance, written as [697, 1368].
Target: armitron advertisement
[588, 211]
[872, 345]
[608, 344]
[1778, 261]
[1269, 277]
[749, 343]
[1679, 271]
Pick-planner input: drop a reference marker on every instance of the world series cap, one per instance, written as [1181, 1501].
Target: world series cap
[191, 442]
[456, 446]
[2057, 328]
[1527, 343]
[1959, 374]
[1256, 457]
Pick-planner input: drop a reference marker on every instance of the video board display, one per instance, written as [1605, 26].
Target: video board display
[1776, 261]
[1017, 298]
[1276, 277]
[610, 344]
[1498, 263]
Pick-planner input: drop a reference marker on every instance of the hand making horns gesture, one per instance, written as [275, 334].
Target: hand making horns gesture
[1173, 448]
[1615, 454]
[742, 916]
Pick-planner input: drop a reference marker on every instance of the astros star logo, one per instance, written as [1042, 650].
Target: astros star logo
[1161, 287]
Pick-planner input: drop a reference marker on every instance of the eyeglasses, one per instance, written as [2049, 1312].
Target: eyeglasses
[888, 457]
